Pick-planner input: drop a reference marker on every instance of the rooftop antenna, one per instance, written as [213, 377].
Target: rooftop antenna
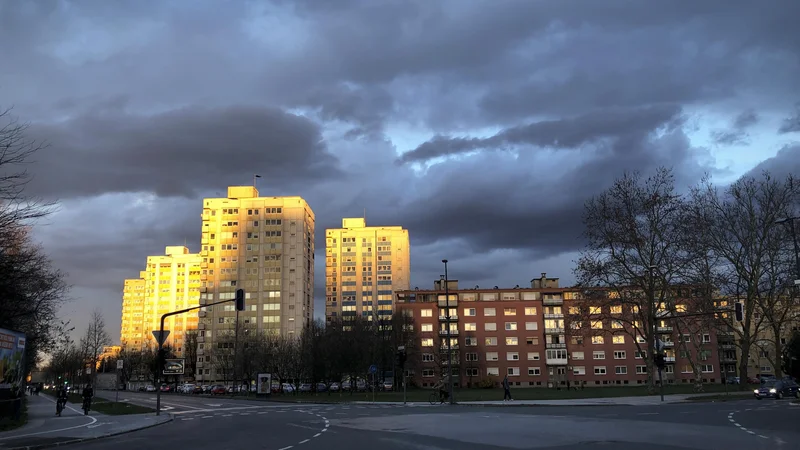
[255, 176]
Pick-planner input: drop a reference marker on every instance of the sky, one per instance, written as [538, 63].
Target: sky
[481, 126]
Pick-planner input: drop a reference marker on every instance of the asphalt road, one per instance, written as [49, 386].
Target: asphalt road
[221, 423]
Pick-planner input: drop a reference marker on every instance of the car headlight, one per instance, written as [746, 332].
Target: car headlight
[772, 391]
[755, 390]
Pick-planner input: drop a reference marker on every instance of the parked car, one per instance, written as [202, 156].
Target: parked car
[218, 389]
[777, 389]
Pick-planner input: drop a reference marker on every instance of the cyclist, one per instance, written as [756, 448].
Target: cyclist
[88, 393]
[441, 386]
[61, 398]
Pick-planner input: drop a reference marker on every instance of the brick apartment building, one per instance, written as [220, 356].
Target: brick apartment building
[521, 332]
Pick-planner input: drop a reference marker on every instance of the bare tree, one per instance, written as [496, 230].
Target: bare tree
[94, 340]
[190, 352]
[751, 251]
[633, 254]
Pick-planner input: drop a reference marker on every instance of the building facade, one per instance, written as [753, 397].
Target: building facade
[169, 282]
[133, 336]
[364, 267]
[524, 333]
[264, 245]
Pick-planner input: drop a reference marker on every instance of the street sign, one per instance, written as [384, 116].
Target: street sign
[173, 367]
[373, 369]
[160, 338]
[401, 347]
[797, 282]
[119, 364]
[264, 383]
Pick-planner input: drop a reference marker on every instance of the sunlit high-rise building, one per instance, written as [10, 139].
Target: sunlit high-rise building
[170, 282]
[364, 266]
[264, 245]
[132, 334]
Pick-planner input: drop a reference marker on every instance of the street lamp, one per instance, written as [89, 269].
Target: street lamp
[656, 347]
[449, 343]
[790, 221]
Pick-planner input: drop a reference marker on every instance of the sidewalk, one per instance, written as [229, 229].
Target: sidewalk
[45, 429]
[622, 401]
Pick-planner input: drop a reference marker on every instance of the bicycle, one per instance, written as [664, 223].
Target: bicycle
[87, 403]
[435, 398]
[59, 406]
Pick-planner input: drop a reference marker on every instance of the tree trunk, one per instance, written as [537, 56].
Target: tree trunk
[745, 346]
[698, 378]
[778, 351]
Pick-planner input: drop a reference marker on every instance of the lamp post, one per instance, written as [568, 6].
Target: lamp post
[656, 346]
[449, 343]
[790, 221]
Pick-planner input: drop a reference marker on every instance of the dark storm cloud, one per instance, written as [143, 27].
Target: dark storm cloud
[179, 152]
[588, 89]
[786, 162]
[791, 124]
[566, 133]
[737, 133]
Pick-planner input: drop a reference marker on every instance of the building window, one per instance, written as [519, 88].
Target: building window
[619, 354]
[707, 368]
[512, 341]
[640, 354]
[578, 356]
[621, 370]
[471, 357]
[492, 371]
[470, 327]
[513, 371]
[470, 312]
[533, 356]
[491, 356]
[706, 338]
[532, 340]
[597, 340]
[490, 326]
[530, 311]
[512, 356]
[510, 312]
[427, 357]
[471, 371]
[427, 342]
[426, 313]
[489, 312]
[531, 326]
[511, 326]
[471, 341]
[427, 373]
[600, 370]
[618, 339]
[599, 355]
[426, 327]
[640, 370]
[491, 341]
[534, 371]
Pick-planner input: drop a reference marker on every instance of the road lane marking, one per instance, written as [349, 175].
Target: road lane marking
[94, 419]
[304, 441]
[206, 417]
[647, 414]
[317, 435]
[286, 448]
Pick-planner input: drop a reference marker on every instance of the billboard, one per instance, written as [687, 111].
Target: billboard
[12, 352]
[173, 367]
[264, 383]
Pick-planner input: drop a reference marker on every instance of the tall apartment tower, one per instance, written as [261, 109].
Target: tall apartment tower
[264, 245]
[132, 333]
[170, 282]
[364, 266]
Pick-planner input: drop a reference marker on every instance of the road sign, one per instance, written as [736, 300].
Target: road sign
[797, 282]
[160, 338]
[401, 347]
[119, 364]
[659, 345]
[373, 369]
[173, 367]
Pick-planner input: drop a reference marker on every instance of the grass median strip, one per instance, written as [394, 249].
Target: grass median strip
[520, 393]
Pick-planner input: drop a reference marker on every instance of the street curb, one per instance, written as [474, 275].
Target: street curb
[93, 438]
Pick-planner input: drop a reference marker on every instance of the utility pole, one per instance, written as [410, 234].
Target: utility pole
[658, 358]
[449, 343]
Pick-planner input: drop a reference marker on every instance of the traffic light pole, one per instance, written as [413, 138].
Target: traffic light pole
[159, 356]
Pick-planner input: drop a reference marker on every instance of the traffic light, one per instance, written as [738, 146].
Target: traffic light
[660, 361]
[400, 358]
[240, 299]
[738, 311]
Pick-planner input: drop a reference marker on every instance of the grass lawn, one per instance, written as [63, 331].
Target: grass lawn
[466, 395]
[7, 424]
[108, 407]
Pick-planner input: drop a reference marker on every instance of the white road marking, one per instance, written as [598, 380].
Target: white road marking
[647, 414]
[304, 441]
[317, 435]
[206, 417]
[286, 448]
[94, 419]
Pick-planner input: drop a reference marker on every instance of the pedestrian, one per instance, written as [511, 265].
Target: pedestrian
[506, 389]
